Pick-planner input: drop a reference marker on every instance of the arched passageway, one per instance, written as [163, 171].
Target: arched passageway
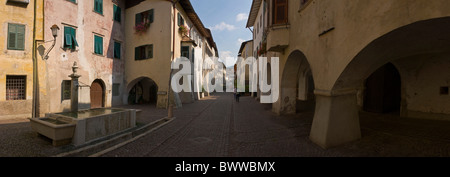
[142, 91]
[420, 52]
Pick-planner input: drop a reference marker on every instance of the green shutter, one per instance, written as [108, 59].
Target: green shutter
[151, 15]
[138, 19]
[16, 37]
[12, 36]
[117, 13]
[98, 6]
[74, 39]
[21, 37]
[98, 45]
[117, 50]
[137, 53]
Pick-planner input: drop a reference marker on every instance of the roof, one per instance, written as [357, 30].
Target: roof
[253, 13]
[242, 47]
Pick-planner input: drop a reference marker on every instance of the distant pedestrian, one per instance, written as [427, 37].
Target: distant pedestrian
[235, 95]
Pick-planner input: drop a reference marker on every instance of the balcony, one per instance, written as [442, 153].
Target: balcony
[278, 38]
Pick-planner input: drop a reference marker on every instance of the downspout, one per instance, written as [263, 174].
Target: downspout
[35, 101]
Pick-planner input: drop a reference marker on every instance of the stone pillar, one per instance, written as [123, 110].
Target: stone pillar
[74, 88]
[336, 119]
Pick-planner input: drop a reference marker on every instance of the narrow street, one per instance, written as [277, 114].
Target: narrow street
[220, 127]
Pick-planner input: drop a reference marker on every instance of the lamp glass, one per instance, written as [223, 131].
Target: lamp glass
[54, 30]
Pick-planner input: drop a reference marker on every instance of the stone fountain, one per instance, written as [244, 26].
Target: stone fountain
[80, 127]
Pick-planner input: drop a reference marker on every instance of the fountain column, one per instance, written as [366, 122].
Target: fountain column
[74, 88]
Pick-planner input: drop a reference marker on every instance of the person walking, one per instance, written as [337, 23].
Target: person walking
[235, 94]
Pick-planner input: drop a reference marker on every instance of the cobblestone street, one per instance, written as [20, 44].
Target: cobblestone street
[219, 127]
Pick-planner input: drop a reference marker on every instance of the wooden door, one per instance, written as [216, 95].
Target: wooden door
[97, 94]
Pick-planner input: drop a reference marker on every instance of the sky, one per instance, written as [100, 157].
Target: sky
[227, 20]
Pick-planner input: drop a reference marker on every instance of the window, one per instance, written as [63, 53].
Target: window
[180, 20]
[185, 51]
[15, 87]
[74, 1]
[98, 6]
[143, 52]
[116, 90]
[117, 48]
[117, 13]
[66, 89]
[98, 45]
[280, 12]
[70, 41]
[146, 17]
[16, 37]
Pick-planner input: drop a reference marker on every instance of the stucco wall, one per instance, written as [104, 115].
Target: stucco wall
[15, 62]
[81, 16]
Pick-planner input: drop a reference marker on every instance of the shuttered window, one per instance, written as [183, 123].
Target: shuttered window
[145, 17]
[70, 41]
[117, 47]
[16, 37]
[98, 45]
[185, 51]
[180, 20]
[143, 52]
[280, 9]
[117, 13]
[74, 1]
[98, 6]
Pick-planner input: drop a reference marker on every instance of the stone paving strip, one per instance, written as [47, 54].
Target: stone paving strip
[102, 147]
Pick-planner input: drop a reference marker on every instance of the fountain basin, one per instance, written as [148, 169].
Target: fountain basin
[59, 131]
[89, 125]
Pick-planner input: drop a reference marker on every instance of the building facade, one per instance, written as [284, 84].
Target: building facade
[92, 34]
[172, 28]
[22, 28]
[349, 56]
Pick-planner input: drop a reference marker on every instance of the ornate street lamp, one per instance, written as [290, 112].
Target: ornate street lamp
[55, 30]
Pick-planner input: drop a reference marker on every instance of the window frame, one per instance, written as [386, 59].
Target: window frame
[102, 46]
[120, 50]
[23, 91]
[150, 17]
[115, 8]
[275, 12]
[99, 8]
[143, 48]
[8, 47]
[74, 38]
[63, 89]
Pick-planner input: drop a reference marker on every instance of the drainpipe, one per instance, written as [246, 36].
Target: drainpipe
[35, 101]
[170, 105]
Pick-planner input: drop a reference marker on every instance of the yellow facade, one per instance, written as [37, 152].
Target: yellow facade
[19, 62]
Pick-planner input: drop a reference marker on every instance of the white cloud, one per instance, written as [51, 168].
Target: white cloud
[241, 17]
[223, 26]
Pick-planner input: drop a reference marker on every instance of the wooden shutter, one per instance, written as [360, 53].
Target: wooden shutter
[280, 15]
[137, 53]
[20, 37]
[117, 47]
[12, 35]
[74, 40]
[151, 15]
[138, 19]
[98, 45]
[117, 13]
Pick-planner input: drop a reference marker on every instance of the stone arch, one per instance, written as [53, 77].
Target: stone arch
[98, 93]
[296, 85]
[336, 120]
[142, 90]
